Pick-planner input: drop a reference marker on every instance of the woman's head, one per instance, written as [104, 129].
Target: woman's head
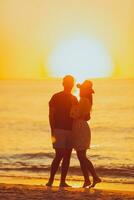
[86, 89]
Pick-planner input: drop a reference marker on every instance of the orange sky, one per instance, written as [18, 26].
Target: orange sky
[31, 29]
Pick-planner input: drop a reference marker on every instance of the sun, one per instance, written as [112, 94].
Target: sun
[82, 57]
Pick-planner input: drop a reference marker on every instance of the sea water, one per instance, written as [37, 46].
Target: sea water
[25, 138]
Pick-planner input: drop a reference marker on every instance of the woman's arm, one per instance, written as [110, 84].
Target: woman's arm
[87, 117]
[85, 108]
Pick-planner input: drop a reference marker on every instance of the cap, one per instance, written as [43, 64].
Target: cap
[86, 85]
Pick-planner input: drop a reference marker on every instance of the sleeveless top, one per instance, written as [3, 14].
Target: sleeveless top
[81, 109]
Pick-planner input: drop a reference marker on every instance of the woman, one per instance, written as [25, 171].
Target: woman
[81, 132]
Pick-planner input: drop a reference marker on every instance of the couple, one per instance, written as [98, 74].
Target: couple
[69, 129]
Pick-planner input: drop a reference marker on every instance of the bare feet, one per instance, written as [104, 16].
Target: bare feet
[86, 184]
[49, 184]
[64, 185]
[95, 181]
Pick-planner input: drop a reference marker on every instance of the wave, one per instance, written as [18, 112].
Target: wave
[33, 155]
[111, 129]
[38, 163]
[27, 156]
[102, 171]
[42, 155]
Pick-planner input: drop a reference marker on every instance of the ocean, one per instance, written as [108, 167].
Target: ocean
[25, 139]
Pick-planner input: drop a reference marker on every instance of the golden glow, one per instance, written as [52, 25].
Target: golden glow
[32, 30]
[82, 57]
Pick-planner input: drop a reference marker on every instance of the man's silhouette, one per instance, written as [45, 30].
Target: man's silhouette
[61, 128]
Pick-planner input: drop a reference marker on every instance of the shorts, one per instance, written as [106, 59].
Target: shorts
[62, 139]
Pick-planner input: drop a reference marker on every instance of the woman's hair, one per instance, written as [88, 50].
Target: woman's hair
[86, 90]
[86, 94]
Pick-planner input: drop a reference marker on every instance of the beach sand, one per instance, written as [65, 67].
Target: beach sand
[35, 189]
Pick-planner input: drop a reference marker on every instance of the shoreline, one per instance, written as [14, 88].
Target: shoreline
[76, 184]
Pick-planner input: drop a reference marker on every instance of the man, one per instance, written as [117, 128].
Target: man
[61, 128]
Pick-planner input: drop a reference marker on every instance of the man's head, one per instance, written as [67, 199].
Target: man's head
[68, 83]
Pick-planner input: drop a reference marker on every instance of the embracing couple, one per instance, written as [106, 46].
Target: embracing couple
[69, 129]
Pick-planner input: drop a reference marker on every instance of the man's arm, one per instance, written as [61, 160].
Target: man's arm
[51, 117]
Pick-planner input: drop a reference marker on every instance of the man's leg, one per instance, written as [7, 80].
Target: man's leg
[65, 166]
[59, 153]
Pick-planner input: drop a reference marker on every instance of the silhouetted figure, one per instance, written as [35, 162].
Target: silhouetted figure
[61, 128]
[81, 132]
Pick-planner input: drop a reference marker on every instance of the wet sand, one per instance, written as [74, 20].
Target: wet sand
[24, 189]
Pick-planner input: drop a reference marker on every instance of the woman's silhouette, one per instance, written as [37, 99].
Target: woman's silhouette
[81, 133]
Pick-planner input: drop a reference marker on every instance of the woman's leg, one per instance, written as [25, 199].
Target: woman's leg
[91, 169]
[83, 163]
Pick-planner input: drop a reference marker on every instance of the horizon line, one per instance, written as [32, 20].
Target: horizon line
[59, 78]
